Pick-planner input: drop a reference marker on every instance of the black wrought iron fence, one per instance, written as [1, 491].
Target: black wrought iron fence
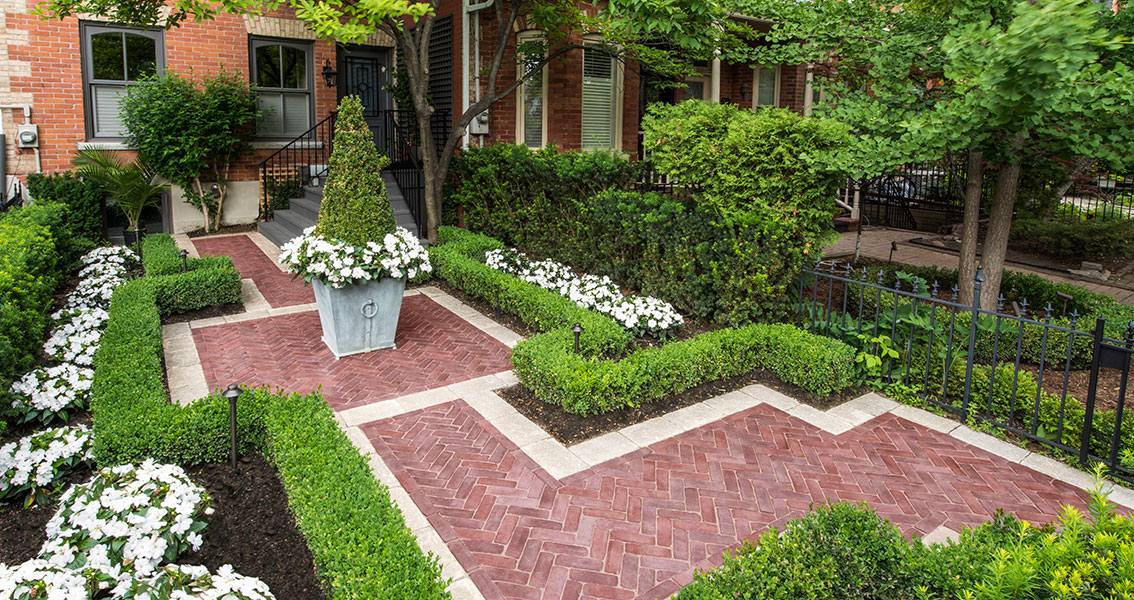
[1038, 375]
[1098, 195]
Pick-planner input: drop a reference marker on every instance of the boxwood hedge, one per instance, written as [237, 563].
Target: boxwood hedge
[209, 281]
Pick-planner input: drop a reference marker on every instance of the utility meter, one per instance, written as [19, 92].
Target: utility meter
[479, 125]
[27, 135]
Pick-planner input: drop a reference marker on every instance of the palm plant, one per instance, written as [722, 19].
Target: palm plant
[129, 183]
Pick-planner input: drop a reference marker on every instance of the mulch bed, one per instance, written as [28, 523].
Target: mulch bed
[226, 229]
[570, 428]
[205, 313]
[252, 529]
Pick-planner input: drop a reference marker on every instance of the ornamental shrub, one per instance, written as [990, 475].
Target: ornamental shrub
[210, 280]
[1078, 240]
[355, 208]
[83, 199]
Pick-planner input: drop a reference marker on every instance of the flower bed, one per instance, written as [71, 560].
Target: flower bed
[40, 460]
[339, 264]
[51, 393]
[643, 315]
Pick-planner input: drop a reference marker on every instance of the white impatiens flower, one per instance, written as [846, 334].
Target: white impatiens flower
[193, 582]
[50, 392]
[640, 314]
[143, 515]
[338, 264]
[39, 460]
[39, 580]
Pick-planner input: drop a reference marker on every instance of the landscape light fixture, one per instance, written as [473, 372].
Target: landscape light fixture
[232, 393]
[577, 329]
[184, 260]
[330, 75]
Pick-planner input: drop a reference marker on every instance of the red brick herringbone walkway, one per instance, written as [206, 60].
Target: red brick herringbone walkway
[434, 348]
[278, 288]
[638, 525]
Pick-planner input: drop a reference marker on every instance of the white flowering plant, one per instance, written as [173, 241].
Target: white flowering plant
[115, 255]
[50, 393]
[38, 579]
[143, 515]
[193, 582]
[642, 315]
[32, 467]
[338, 264]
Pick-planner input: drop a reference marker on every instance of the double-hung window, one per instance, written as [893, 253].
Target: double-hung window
[112, 58]
[600, 99]
[283, 72]
[766, 83]
[532, 116]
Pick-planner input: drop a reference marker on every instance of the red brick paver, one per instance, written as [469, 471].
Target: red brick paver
[637, 526]
[434, 348]
[278, 288]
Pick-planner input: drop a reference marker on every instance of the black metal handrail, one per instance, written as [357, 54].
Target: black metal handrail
[285, 172]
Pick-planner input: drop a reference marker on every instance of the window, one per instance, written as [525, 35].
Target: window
[601, 100]
[284, 72]
[531, 121]
[112, 58]
[697, 88]
[766, 83]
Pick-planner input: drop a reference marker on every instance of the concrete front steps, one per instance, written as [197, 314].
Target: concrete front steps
[304, 211]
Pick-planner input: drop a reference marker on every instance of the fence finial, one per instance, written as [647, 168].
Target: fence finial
[979, 274]
[1130, 334]
[1023, 307]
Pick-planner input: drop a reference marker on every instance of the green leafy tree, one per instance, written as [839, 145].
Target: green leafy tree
[191, 130]
[1003, 82]
[355, 207]
[665, 36]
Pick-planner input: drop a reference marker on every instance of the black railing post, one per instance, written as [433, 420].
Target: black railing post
[1096, 355]
[978, 281]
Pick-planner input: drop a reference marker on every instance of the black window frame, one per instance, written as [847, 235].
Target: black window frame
[308, 46]
[87, 30]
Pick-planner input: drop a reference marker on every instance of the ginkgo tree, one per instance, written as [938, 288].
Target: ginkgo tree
[1004, 82]
[664, 35]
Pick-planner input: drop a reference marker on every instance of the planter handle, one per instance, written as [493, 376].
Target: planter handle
[373, 309]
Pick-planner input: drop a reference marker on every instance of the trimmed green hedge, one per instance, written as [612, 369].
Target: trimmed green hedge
[602, 377]
[83, 199]
[210, 280]
[361, 546]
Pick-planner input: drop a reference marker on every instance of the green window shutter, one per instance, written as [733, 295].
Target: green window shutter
[598, 99]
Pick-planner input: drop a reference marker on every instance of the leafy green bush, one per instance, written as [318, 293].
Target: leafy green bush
[602, 377]
[361, 546]
[1082, 239]
[210, 280]
[83, 199]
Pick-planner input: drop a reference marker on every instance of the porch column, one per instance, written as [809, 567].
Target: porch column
[715, 80]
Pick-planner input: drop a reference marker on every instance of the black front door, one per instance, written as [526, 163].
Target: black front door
[366, 73]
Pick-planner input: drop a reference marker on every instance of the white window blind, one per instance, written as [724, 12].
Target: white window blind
[113, 58]
[599, 102]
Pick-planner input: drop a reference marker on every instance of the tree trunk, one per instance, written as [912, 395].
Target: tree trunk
[204, 207]
[1081, 165]
[1000, 224]
[966, 270]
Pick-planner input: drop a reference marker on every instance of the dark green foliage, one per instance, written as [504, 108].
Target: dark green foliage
[727, 254]
[83, 199]
[1078, 240]
[355, 208]
[603, 377]
[210, 281]
[361, 546]
[30, 263]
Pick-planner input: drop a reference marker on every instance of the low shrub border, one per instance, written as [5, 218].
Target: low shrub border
[593, 381]
[209, 281]
[357, 535]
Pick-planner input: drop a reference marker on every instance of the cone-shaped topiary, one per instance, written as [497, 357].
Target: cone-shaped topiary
[355, 207]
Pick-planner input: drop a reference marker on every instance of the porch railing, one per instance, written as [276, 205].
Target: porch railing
[285, 172]
[1035, 375]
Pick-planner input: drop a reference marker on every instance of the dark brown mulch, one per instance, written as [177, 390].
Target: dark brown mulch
[226, 229]
[570, 428]
[205, 313]
[1079, 382]
[252, 529]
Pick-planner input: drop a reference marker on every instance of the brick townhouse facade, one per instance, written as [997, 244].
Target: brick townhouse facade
[585, 100]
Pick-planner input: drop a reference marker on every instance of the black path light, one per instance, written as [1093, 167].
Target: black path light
[184, 260]
[232, 393]
[577, 329]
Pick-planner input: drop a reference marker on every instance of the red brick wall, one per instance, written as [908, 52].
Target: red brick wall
[55, 80]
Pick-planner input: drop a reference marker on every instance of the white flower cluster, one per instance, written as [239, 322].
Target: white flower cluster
[48, 393]
[76, 337]
[339, 264]
[640, 314]
[143, 515]
[191, 581]
[110, 535]
[40, 459]
[105, 268]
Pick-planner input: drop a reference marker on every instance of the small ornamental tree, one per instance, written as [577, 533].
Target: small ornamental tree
[191, 130]
[355, 207]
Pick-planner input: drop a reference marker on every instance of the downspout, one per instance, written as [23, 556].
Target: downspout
[469, 9]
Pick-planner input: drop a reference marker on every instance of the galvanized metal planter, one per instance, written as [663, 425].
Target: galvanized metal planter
[359, 318]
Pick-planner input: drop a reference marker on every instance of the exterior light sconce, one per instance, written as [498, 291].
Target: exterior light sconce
[232, 394]
[577, 329]
[745, 90]
[330, 75]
